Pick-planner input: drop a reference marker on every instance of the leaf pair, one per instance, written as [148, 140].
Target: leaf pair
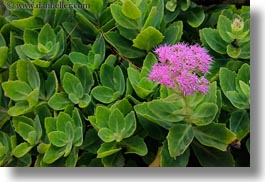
[42, 47]
[139, 79]
[135, 26]
[113, 84]
[237, 87]
[113, 125]
[64, 132]
[95, 56]
[5, 148]
[30, 130]
[196, 109]
[180, 137]
[77, 86]
[23, 87]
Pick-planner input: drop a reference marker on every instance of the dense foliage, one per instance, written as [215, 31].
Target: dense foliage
[76, 90]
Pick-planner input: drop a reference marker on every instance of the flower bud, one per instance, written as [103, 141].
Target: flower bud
[237, 25]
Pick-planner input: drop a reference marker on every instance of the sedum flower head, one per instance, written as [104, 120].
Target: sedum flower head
[179, 66]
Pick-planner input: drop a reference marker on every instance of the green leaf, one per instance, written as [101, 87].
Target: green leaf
[62, 120]
[72, 158]
[107, 149]
[149, 61]
[213, 39]
[73, 98]
[5, 147]
[41, 63]
[86, 78]
[4, 55]
[204, 114]
[224, 26]
[59, 101]
[28, 73]
[171, 5]
[58, 138]
[196, 17]
[72, 85]
[245, 88]
[238, 100]
[232, 51]
[21, 149]
[115, 160]
[77, 118]
[118, 80]
[211, 97]
[123, 46]
[43, 147]
[51, 84]
[91, 146]
[27, 132]
[167, 161]
[130, 126]
[16, 90]
[230, 88]
[123, 105]
[239, 123]
[30, 51]
[31, 22]
[173, 33]
[102, 116]
[143, 110]
[179, 138]
[135, 145]
[152, 18]
[244, 73]
[53, 154]
[185, 4]
[87, 23]
[227, 84]
[94, 6]
[245, 51]
[106, 75]
[117, 13]
[22, 119]
[38, 127]
[78, 57]
[97, 54]
[248, 145]
[106, 135]
[46, 34]
[3, 151]
[84, 101]
[166, 111]
[130, 10]
[33, 97]
[134, 77]
[25, 161]
[50, 124]
[117, 125]
[148, 38]
[19, 108]
[69, 132]
[104, 94]
[214, 135]
[30, 37]
[78, 137]
[211, 157]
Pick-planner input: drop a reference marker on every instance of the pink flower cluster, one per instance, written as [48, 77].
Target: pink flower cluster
[179, 65]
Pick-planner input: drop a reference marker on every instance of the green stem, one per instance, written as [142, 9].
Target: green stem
[187, 110]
